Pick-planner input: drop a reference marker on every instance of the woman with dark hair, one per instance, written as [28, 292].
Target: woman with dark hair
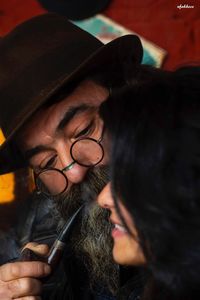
[154, 194]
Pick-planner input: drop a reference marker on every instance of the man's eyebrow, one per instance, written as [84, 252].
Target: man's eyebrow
[33, 151]
[70, 113]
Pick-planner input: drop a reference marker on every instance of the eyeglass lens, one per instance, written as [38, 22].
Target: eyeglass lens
[87, 152]
[51, 182]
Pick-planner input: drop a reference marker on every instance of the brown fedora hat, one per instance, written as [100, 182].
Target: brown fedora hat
[39, 57]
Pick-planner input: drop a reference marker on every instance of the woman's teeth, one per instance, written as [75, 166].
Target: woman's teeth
[120, 228]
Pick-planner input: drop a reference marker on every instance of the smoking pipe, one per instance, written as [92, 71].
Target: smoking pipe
[57, 249]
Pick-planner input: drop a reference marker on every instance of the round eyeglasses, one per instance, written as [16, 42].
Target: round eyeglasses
[86, 152]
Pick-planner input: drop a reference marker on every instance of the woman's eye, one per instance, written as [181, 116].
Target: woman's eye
[85, 131]
[50, 163]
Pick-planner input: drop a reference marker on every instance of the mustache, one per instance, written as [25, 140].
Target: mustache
[84, 192]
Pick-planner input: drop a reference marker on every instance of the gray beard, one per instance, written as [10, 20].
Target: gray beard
[91, 240]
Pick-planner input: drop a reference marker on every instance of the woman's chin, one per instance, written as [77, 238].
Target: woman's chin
[125, 254]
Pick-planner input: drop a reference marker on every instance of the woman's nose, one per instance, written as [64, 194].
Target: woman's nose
[105, 198]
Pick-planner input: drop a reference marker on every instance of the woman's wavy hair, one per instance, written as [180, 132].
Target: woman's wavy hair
[154, 122]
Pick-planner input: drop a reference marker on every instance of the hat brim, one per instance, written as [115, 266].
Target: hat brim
[115, 52]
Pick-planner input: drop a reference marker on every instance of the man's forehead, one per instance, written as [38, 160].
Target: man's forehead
[87, 93]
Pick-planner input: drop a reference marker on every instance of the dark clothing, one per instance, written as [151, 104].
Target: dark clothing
[65, 291]
[74, 284]
[36, 222]
[133, 284]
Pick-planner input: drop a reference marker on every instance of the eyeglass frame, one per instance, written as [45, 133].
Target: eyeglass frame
[70, 166]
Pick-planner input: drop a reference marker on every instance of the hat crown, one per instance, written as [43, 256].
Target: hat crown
[35, 54]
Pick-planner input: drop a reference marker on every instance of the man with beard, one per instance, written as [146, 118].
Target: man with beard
[53, 78]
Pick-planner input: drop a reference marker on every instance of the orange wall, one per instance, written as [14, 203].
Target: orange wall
[6, 183]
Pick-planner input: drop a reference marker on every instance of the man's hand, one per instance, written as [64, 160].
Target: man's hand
[20, 280]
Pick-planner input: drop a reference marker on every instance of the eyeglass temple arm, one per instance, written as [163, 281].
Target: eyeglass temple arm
[101, 138]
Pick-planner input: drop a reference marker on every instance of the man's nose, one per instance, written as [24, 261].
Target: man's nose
[105, 198]
[74, 172]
